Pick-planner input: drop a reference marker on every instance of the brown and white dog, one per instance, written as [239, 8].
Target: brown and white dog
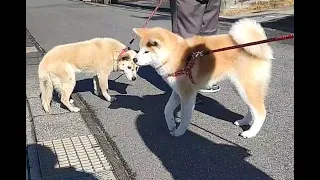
[248, 68]
[98, 56]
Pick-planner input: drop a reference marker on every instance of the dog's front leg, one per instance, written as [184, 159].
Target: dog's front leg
[171, 105]
[187, 107]
[103, 83]
[96, 86]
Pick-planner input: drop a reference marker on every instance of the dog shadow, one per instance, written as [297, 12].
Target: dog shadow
[189, 156]
[48, 160]
[86, 85]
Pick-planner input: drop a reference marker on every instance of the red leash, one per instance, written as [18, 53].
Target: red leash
[190, 63]
[152, 14]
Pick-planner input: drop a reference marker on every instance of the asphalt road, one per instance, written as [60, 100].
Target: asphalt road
[211, 148]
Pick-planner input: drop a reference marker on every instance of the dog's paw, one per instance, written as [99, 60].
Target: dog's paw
[248, 134]
[112, 99]
[172, 133]
[172, 127]
[177, 132]
[97, 93]
[75, 109]
[170, 122]
[242, 122]
[237, 123]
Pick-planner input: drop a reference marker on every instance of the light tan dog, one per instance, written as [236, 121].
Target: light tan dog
[249, 69]
[98, 56]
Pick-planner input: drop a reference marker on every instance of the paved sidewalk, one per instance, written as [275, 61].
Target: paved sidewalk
[135, 124]
[59, 145]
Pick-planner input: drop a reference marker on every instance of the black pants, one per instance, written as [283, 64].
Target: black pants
[195, 17]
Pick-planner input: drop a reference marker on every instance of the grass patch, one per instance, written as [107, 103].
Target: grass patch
[259, 6]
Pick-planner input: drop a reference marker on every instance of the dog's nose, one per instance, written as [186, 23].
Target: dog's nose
[135, 60]
[134, 78]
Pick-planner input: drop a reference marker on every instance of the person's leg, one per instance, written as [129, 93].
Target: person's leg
[210, 23]
[186, 17]
[210, 20]
[186, 20]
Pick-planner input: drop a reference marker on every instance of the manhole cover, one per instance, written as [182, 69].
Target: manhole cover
[76, 156]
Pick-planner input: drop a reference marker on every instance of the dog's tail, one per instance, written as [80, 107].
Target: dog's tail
[46, 87]
[246, 31]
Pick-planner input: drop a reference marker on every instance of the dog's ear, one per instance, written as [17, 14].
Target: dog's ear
[139, 31]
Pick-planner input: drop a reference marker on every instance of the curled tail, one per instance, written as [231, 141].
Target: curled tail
[246, 31]
[46, 88]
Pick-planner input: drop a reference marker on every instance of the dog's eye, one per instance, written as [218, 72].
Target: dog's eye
[146, 52]
[152, 43]
[129, 67]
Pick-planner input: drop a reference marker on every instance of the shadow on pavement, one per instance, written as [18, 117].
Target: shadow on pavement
[209, 106]
[190, 156]
[86, 85]
[154, 18]
[285, 24]
[146, 5]
[48, 160]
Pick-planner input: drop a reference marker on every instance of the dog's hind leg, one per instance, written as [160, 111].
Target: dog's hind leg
[171, 105]
[253, 93]
[65, 96]
[67, 84]
[71, 100]
[187, 107]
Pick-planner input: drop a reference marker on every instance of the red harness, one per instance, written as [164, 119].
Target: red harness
[191, 61]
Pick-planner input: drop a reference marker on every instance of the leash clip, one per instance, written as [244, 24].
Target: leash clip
[196, 54]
